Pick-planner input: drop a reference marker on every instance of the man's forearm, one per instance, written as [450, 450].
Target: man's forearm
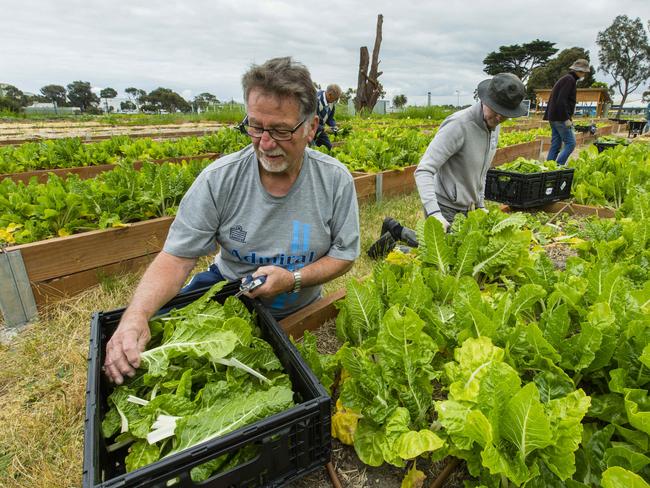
[160, 283]
[323, 270]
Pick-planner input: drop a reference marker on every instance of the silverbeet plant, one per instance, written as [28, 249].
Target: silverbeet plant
[206, 374]
[534, 376]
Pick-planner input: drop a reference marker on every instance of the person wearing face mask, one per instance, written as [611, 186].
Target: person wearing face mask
[277, 208]
[451, 174]
[559, 112]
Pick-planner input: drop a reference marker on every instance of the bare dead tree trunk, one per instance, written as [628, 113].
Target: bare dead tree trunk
[368, 87]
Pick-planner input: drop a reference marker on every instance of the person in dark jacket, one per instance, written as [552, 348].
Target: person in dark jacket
[560, 109]
[326, 107]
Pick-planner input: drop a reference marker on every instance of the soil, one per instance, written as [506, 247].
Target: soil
[559, 253]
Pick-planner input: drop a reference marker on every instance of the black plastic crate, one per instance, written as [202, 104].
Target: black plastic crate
[524, 190]
[601, 146]
[290, 444]
[635, 127]
[591, 129]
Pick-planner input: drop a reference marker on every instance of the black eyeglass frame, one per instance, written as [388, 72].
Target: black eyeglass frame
[244, 127]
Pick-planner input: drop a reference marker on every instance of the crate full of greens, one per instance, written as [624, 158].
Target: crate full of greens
[525, 183]
[222, 398]
[605, 142]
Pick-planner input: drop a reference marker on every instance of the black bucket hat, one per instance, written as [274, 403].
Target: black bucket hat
[504, 94]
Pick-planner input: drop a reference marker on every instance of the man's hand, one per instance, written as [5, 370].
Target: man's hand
[124, 348]
[568, 123]
[278, 280]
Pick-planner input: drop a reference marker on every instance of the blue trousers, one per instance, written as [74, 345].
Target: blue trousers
[561, 134]
[203, 279]
[322, 139]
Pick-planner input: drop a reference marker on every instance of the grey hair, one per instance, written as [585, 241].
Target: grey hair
[334, 89]
[283, 77]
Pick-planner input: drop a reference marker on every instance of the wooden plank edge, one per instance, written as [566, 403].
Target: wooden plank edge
[312, 316]
[70, 248]
[57, 289]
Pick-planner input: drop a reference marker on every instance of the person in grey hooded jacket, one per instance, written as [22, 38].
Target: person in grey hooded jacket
[451, 175]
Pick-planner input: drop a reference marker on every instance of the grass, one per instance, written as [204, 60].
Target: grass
[43, 370]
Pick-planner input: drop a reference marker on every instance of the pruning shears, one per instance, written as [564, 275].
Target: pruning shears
[249, 284]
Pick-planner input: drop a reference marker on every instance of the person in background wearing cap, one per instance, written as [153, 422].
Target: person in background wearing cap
[326, 107]
[559, 112]
[451, 175]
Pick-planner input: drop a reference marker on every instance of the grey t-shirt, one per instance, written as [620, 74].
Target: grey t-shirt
[227, 205]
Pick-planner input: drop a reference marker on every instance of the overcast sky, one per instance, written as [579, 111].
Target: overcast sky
[195, 46]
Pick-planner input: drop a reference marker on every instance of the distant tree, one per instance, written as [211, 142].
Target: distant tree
[399, 101]
[202, 101]
[556, 68]
[11, 98]
[347, 95]
[107, 93]
[625, 55]
[136, 95]
[81, 96]
[55, 94]
[519, 59]
[369, 89]
[165, 99]
[127, 105]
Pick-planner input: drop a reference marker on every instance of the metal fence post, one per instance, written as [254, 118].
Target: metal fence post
[379, 186]
[16, 298]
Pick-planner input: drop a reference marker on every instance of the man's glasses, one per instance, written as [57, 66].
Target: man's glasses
[276, 134]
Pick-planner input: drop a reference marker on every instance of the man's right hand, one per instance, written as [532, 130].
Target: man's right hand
[124, 348]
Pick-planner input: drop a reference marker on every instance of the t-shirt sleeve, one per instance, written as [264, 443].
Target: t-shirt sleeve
[345, 224]
[193, 232]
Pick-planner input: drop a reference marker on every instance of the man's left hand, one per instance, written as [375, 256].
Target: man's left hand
[278, 280]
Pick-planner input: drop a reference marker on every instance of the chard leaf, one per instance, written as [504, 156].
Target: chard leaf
[412, 444]
[407, 353]
[565, 415]
[467, 253]
[141, 454]
[590, 456]
[433, 248]
[190, 341]
[226, 417]
[637, 407]
[362, 309]
[617, 477]
[368, 441]
[627, 457]
[525, 423]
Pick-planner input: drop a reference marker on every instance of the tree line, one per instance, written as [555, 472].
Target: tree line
[79, 94]
[624, 54]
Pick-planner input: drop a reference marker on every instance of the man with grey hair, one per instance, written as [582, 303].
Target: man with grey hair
[326, 107]
[276, 208]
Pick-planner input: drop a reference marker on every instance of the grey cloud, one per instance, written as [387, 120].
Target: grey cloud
[204, 45]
